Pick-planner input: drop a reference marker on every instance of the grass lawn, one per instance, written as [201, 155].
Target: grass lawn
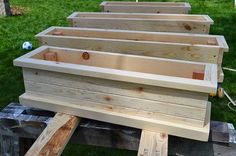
[40, 14]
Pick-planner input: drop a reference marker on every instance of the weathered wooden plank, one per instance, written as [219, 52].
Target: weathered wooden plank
[219, 132]
[109, 135]
[146, 7]
[24, 121]
[54, 138]
[9, 145]
[152, 144]
[145, 22]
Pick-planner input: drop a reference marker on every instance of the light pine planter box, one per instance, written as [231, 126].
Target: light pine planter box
[137, 91]
[180, 23]
[199, 48]
[146, 7]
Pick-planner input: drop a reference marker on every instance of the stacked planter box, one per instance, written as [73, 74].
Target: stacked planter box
[138, 76]
[124, 89]
[145, 22]
[199, 48]
[146, 7]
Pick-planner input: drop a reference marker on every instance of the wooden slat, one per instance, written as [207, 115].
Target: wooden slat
[55, 136]
[183, 51]
[115, 61]
[118, 94]
[108, 114]
[143, 3]
[153, 144]
[146, 22]
[154, 107]
[147, 92]
[146, 7]
[198, 39]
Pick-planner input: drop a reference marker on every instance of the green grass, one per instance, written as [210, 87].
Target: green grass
[44, 13]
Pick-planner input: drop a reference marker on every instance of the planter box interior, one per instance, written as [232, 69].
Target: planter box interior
[199, 48]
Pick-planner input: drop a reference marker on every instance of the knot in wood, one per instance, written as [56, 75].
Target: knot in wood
[107, 98]
[140, 89]
[85, 55]
[188, 27]
[163, 135]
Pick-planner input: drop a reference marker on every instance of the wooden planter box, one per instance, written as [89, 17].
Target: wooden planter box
[146, 7]
[144, 92]
[147, 22]
[199, 48]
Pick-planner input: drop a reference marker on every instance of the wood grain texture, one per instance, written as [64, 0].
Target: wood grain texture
[198, 48]
[187, 107]
[146, 22]
[188, 42]
[34, 60]
[55, 136]
[153, 144]
[146, 7]
[147, 92]
[194, 39]
[120, 101]
[156, 49]
[112, 115]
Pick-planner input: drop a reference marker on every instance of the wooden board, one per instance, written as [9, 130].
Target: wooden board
[55, 136]
[128, 95]
[155, 105]
[133, 90]
[146, 7]
[147, 22]
[119, 101]
[198, 45]
[200, 48]
[152, 143]
[58, 104]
